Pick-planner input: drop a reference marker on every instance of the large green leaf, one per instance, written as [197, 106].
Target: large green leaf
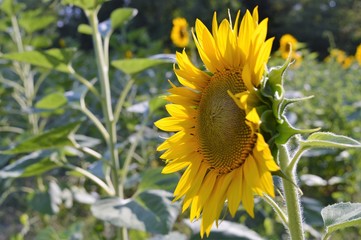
[55, 59]
[341, 215]
[34, 20]
[30, 165]
[136, 65]
[52, 101]
[154, 179]
[329, 140]
[54, 138]
[10, 7]
[151, 211]
[41, 202]
[122, 15]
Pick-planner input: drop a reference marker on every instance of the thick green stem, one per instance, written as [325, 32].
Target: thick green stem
[292, 196]
[110, 124]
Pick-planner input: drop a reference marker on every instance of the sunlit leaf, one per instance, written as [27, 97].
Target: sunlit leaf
[54, 138]
[34, 23]
[52, 101]
[136, 65]
[122, 15]
[341, 215]
[56, 59]
[29, 165]
[85, 29]
[329, 140]
[151, 211]
[84, 4]
[41, 41]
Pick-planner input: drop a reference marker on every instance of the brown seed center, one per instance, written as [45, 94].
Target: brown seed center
[225, 138]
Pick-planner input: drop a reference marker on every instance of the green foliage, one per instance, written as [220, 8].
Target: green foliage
[341, 215]
[132, 66]
[54, 138]
[150, 211]
[57, 59]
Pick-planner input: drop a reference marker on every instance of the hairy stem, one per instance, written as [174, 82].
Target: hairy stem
[292, 196]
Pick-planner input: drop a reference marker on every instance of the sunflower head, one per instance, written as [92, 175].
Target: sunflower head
[218, 116]
[179, 34]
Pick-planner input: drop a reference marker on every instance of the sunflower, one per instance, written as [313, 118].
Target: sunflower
[218, 138]
[179, 33]
[358, 54]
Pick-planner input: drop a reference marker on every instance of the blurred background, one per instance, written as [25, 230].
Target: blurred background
[325, 36]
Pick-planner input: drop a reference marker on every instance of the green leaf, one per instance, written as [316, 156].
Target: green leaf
[329, 140]
[156, 103]
[30, 165]
[54, 138]
[7, 7]
[154, 179]
[52, 101]
[151, 211]
[34, 22]
[56, 59]
[341, 215]
[10, 7]
[122, 15]
[85, 29]
[40, 41]
[136, 65]
[41, 202]
[84, 4]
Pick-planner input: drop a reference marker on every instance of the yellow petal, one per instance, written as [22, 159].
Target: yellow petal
[234, 193]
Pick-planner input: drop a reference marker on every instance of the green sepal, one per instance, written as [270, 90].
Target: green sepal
[288, 101]
[269, 123]
[286, 131]
[274, 78]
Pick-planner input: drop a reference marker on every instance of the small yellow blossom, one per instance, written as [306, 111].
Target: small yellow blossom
[179, 34]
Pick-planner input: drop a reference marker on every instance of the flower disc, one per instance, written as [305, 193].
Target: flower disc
[224, 136]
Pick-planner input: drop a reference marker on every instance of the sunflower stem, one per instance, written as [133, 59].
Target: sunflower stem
[292, 196]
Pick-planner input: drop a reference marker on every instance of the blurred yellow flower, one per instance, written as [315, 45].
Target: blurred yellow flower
[340, 57]
[358, 54]
[348, 62]
[218, 138]
[285, 42]
[179, 33]
[128, 54]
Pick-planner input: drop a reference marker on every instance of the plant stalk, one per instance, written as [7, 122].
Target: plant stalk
[103, 69]
[26, 76]
[292, 196]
